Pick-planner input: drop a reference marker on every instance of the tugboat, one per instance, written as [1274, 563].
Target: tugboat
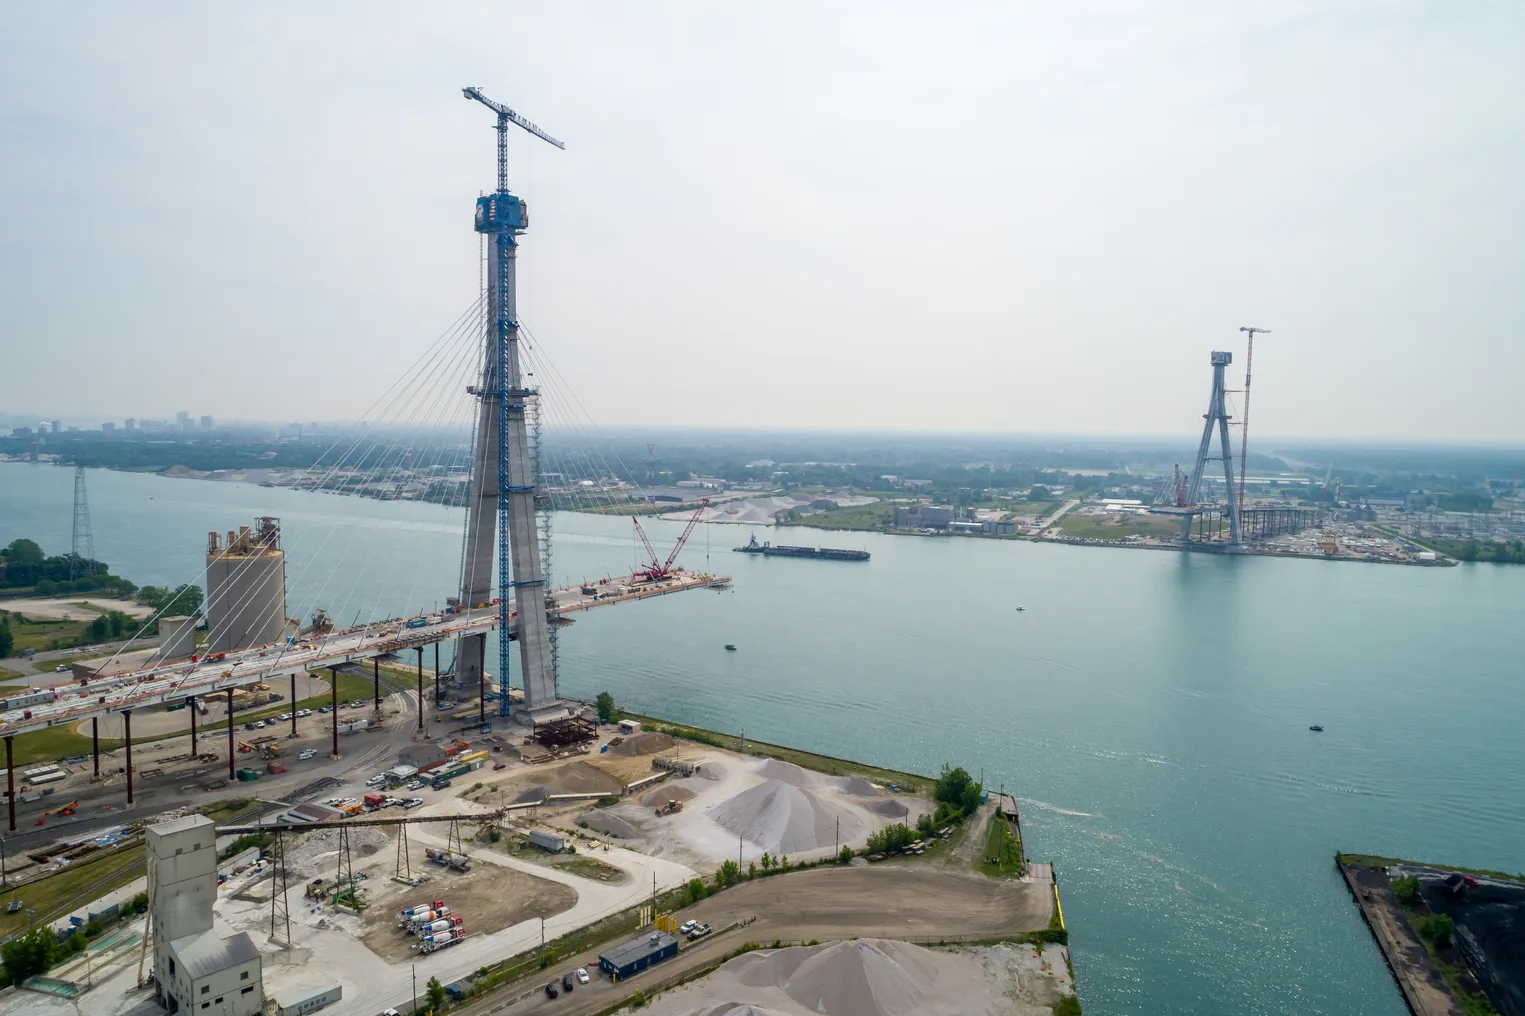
[1316, 729]
[730, 647]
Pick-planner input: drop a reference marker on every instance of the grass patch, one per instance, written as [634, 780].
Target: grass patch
[53, 896]
[1003, 851]
[860, 518]
[1379, 861]
[1101, 527]
[225, 812]
[589, 867]
[908, 783]
[8, 675]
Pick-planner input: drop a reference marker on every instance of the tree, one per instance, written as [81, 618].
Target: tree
[436, 994]
[28, 954]
[7, 640]
[767, 861]
[607, 713]
[751, 869]
[1436, 929]
[956, 788]
[846, 856]
[728, 874]
[1407, 890]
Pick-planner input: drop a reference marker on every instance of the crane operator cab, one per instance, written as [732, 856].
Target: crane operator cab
[495, 210]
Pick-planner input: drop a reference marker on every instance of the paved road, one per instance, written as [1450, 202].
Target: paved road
[897, 902]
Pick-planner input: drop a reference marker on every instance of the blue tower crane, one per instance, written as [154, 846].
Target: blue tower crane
[502, 434]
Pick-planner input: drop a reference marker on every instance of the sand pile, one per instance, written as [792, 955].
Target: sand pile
[889, 809]
[648, 742]
[534, 795]
[788, 772]
[867, 977]
[658, 796]
[574, 778]
[858, 786]
[610, 824]
[782, 818]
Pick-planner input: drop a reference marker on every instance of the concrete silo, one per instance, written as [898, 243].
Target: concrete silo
[246, 587]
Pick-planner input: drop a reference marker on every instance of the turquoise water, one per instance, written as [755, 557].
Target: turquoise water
[1151, 708]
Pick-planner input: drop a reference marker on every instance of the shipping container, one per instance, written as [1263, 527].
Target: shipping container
[297, 1002]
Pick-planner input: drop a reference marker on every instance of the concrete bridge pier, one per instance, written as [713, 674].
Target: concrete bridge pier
[333, 686]
[10, 782]
[95, 742]
[420, 688]
[127, 738]
[436, 673]
[232, 775]
[190, 704]
[293, 704]
[376, 680]
[482, 679]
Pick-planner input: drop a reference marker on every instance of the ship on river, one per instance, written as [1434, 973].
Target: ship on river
[829, 553]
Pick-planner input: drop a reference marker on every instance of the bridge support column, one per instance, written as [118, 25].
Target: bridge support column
[293, 703]
[482, 678]
[333, 686]
[190, 704]
[127, 736]
[10, 782]
[376, 680]
[420, 689]
[232, 775]
[436, 672]
[95, 742]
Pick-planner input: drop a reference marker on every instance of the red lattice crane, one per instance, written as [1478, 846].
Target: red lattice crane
[655, 572]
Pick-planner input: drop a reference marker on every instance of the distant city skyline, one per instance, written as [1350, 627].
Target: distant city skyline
[869, 217]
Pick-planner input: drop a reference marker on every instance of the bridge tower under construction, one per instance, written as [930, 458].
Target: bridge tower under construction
[504, 499]
[1216, 417]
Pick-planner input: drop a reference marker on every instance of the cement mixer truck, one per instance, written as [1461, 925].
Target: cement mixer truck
[443, 924]
[427, 917]
[459, 862]
[407, 912]
[442, 939]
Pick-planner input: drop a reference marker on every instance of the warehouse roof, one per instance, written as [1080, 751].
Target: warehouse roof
[206, 953]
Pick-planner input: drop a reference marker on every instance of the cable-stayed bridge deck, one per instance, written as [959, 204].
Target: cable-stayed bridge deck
[174, 681]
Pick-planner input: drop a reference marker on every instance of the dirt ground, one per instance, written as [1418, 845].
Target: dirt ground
[576, 777]
[489, 897]
[78, 608]
[829, 904]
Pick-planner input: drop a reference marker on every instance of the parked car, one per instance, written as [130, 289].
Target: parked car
[414, 802]
[325, 709]
[415, 784]
[250, 726]
[687, 927]
[307, 753]
[303, 712]
[62, 668]
[582, 975]
[284, 716]
[499, 765]
[699, 932]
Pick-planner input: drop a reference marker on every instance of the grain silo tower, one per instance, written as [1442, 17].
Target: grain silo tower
[246, 587]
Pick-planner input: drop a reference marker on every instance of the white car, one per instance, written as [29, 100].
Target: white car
[688, 926]
[582, 975]
[284, 716]
[307, 753]
[62, 668]
[303, 712]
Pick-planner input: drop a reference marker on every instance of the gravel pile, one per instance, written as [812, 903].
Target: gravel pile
[610, 824]
[866, 977]
[889, 809]
[784, 819]
[648, 742]
[858, 786]
[317, 849]
[788, 772]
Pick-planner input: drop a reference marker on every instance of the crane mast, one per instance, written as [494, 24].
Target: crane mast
[511, 501]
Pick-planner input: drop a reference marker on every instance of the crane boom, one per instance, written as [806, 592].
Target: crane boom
[686, 533]
[504, 113]
[650, 552]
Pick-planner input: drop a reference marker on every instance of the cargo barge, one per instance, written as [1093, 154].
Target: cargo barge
[829, 553]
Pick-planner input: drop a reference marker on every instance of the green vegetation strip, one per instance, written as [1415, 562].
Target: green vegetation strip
[910, 783]
[84, 881]
[1380, 861]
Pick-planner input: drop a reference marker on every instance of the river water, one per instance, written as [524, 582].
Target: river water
[1150, 708]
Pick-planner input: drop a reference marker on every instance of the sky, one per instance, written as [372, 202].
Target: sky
[1005, 217]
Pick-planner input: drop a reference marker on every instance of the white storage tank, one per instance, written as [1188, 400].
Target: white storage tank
[246, 587]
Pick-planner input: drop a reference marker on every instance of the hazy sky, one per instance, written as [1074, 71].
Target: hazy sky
[1003, 217]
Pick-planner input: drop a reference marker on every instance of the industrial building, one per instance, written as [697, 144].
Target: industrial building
[630, 958]
[198, 968]
[246, 587]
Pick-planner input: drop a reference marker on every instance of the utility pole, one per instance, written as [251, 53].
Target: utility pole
[1244, 424]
